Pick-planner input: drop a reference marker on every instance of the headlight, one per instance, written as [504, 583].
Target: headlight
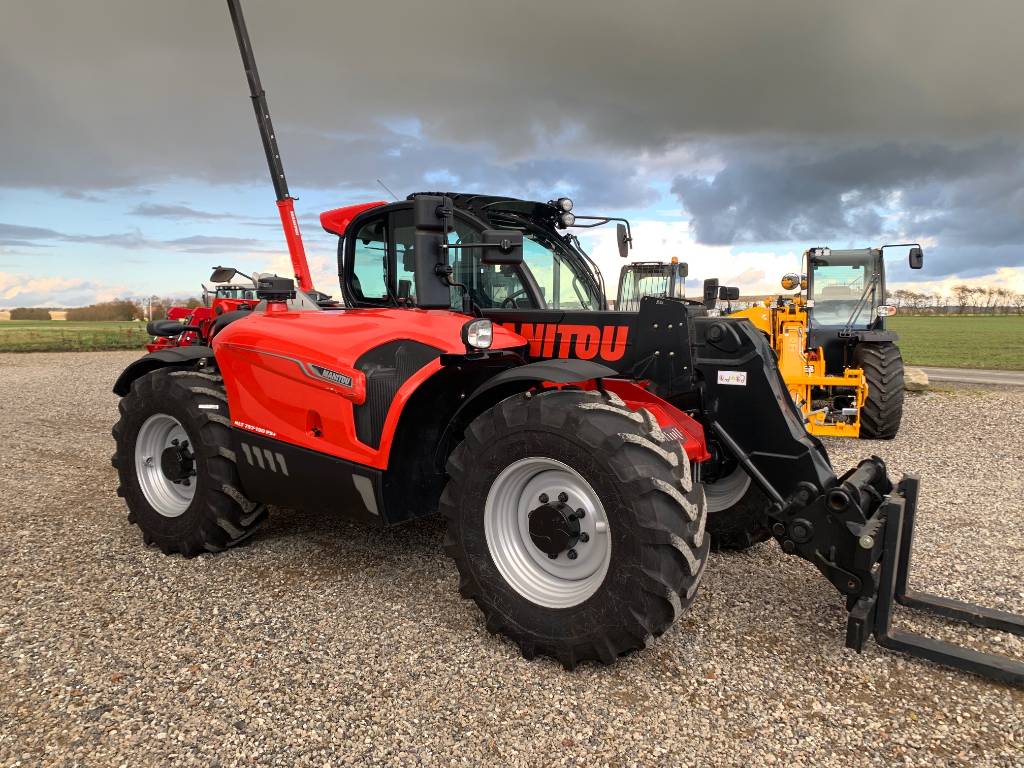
[568, 219]
[885, 310]
[478, 334]
[564, 204]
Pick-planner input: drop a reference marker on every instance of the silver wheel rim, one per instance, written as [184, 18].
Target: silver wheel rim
[558, 583]
[727, 491]
[168, 498]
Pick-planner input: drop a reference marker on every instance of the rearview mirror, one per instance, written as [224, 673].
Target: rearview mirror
[430, 265]
[711, 292]
[432, 213]
[503, 247]
[623, 239]
[728, 293]
[223, 274]
[916, 257]
[432, 217]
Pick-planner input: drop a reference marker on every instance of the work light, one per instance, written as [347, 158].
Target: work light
[478, 334]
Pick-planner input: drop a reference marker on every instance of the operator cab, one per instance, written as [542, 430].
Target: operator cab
[377, 264]
[846, 298]
[846, 287]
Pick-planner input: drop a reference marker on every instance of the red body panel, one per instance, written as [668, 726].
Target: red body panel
[266, 359]
[673, 422]
[337, 220]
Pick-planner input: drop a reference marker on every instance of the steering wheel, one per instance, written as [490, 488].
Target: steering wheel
[510, 300]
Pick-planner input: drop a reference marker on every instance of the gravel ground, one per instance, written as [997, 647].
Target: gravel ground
[326, 643]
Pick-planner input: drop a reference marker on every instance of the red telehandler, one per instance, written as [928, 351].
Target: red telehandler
[475, 370]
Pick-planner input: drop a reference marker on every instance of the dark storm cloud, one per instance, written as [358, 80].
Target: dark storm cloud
[34, 237]
[970, 198]
[116, 92]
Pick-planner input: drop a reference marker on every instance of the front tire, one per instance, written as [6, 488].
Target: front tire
[532, 455]
[883, 409]
[176, 465]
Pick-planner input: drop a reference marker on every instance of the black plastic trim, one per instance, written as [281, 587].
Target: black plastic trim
[286, 475]
[159, 359]
[387, 368]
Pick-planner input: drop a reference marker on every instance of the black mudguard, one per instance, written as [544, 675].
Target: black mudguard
[159, 359]
[507, 383]
[559, 371]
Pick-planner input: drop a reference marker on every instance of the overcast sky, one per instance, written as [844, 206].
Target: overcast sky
[733, 133]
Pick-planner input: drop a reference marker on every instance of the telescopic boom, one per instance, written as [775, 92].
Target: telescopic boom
[285, 202]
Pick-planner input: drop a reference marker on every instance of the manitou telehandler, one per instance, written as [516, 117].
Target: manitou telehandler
[640, 279]
[474, 369]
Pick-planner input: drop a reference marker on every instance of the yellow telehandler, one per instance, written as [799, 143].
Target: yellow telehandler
[841, 365]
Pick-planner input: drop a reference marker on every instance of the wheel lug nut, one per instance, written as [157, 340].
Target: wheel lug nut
[543, 498]
[553, 556]
[572, 554]
[563, 497]
[580, 513]
[584, 537]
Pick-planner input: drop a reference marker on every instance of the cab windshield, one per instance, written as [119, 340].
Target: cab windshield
[566, 276]
[843, 292]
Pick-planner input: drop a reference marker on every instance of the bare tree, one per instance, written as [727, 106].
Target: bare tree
[1017, 300]
[962, 292]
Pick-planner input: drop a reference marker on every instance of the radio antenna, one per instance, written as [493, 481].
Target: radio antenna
[388, 189]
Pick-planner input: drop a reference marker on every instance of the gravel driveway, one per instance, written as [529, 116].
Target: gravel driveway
[326, 643]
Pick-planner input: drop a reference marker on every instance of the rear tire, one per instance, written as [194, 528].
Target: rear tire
[883, 409]
[639, 487]
[206, 511]
[736, 506]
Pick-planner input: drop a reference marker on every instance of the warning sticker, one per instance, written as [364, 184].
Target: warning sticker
[735, 378]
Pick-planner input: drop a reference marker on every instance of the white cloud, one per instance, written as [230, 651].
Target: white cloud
[21, 290]
[1010, 278]
[755, 272]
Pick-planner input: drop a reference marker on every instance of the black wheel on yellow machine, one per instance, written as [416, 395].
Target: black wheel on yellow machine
[883, 409]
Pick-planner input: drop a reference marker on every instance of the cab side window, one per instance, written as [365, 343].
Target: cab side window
[403, 255]
[369, 266]
[384, 266]
[491, 286]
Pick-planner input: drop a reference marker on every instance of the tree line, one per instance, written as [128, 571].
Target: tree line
[962, 299]
[151, 308]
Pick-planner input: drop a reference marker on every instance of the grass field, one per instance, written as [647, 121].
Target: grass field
[958, 342]
[63, 336]
[962, 342]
